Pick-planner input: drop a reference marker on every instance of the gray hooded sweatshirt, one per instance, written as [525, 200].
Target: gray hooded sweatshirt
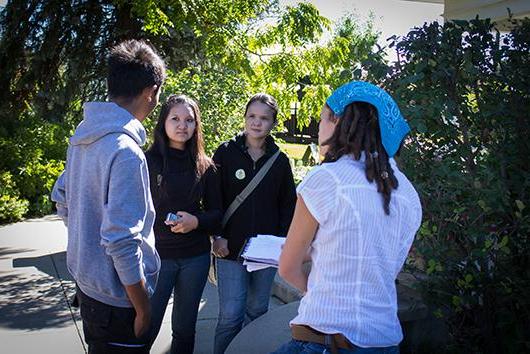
[104, 199]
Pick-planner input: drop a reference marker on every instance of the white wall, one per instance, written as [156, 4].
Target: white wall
[494, 9]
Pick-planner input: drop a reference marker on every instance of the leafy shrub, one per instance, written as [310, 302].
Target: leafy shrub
[465, 89]
[12, 207]
[36, 180]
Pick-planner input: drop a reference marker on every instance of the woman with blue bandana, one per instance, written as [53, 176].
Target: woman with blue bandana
[355, 219]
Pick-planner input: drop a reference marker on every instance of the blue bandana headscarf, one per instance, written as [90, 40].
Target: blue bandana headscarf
[391, 123]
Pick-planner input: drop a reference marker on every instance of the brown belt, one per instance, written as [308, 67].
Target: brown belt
[308, 334]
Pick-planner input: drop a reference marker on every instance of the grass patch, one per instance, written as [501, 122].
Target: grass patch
[294, 151]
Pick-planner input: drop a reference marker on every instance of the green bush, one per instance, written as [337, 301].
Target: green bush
[12, 207]
[36, 180]
[32, 162]
[465, 89]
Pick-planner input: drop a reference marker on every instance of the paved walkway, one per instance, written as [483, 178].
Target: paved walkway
[35, 287]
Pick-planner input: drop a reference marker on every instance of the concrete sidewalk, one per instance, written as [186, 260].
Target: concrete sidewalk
[35, 289]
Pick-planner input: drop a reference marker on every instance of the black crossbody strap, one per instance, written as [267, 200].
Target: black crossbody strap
[249, 188]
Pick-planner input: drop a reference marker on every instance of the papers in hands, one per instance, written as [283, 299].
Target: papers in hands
[253, 266]
[262, 251]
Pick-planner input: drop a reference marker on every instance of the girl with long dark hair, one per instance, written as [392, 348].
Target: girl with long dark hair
[355, 219]
[183, 182]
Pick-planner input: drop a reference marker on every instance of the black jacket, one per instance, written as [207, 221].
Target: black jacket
[269, 208]
[175, 188]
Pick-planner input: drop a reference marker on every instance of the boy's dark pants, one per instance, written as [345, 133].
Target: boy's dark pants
[109, 329]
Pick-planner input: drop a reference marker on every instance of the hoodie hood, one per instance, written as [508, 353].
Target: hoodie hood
[103, 118]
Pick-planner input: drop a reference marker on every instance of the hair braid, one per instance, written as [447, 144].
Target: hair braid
[369, 162]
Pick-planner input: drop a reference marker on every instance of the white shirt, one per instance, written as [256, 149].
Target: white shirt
[357, 252]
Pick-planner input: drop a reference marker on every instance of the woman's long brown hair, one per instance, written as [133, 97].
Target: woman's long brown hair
[358, 131]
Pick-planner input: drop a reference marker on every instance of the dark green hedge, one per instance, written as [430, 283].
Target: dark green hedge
[466, 90]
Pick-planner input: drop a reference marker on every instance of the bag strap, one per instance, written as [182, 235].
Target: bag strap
[249, 188]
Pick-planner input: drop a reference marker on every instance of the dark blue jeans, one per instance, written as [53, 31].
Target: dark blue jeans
[185, 278]
[300, 347]
[243, 297]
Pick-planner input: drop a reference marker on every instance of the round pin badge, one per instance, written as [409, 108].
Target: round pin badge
[240, 174]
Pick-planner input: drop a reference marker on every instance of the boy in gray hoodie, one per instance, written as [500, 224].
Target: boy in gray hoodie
[103, 196]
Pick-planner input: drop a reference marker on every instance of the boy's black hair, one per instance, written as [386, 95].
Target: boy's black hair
[133, 65]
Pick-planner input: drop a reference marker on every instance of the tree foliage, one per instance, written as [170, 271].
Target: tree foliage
[52, 55]
[306, 75]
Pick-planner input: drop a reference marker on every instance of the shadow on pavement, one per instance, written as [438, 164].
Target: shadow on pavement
[33, 302]
[7, 252]
[53, 264]
[36, 300]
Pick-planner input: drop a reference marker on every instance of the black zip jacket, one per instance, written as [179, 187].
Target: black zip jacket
[175, 188]
[269, 208]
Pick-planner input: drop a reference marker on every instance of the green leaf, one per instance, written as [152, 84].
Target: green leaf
[438, 313]
[503, 242]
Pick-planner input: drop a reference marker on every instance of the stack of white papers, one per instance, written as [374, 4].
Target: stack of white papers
[262, 251]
